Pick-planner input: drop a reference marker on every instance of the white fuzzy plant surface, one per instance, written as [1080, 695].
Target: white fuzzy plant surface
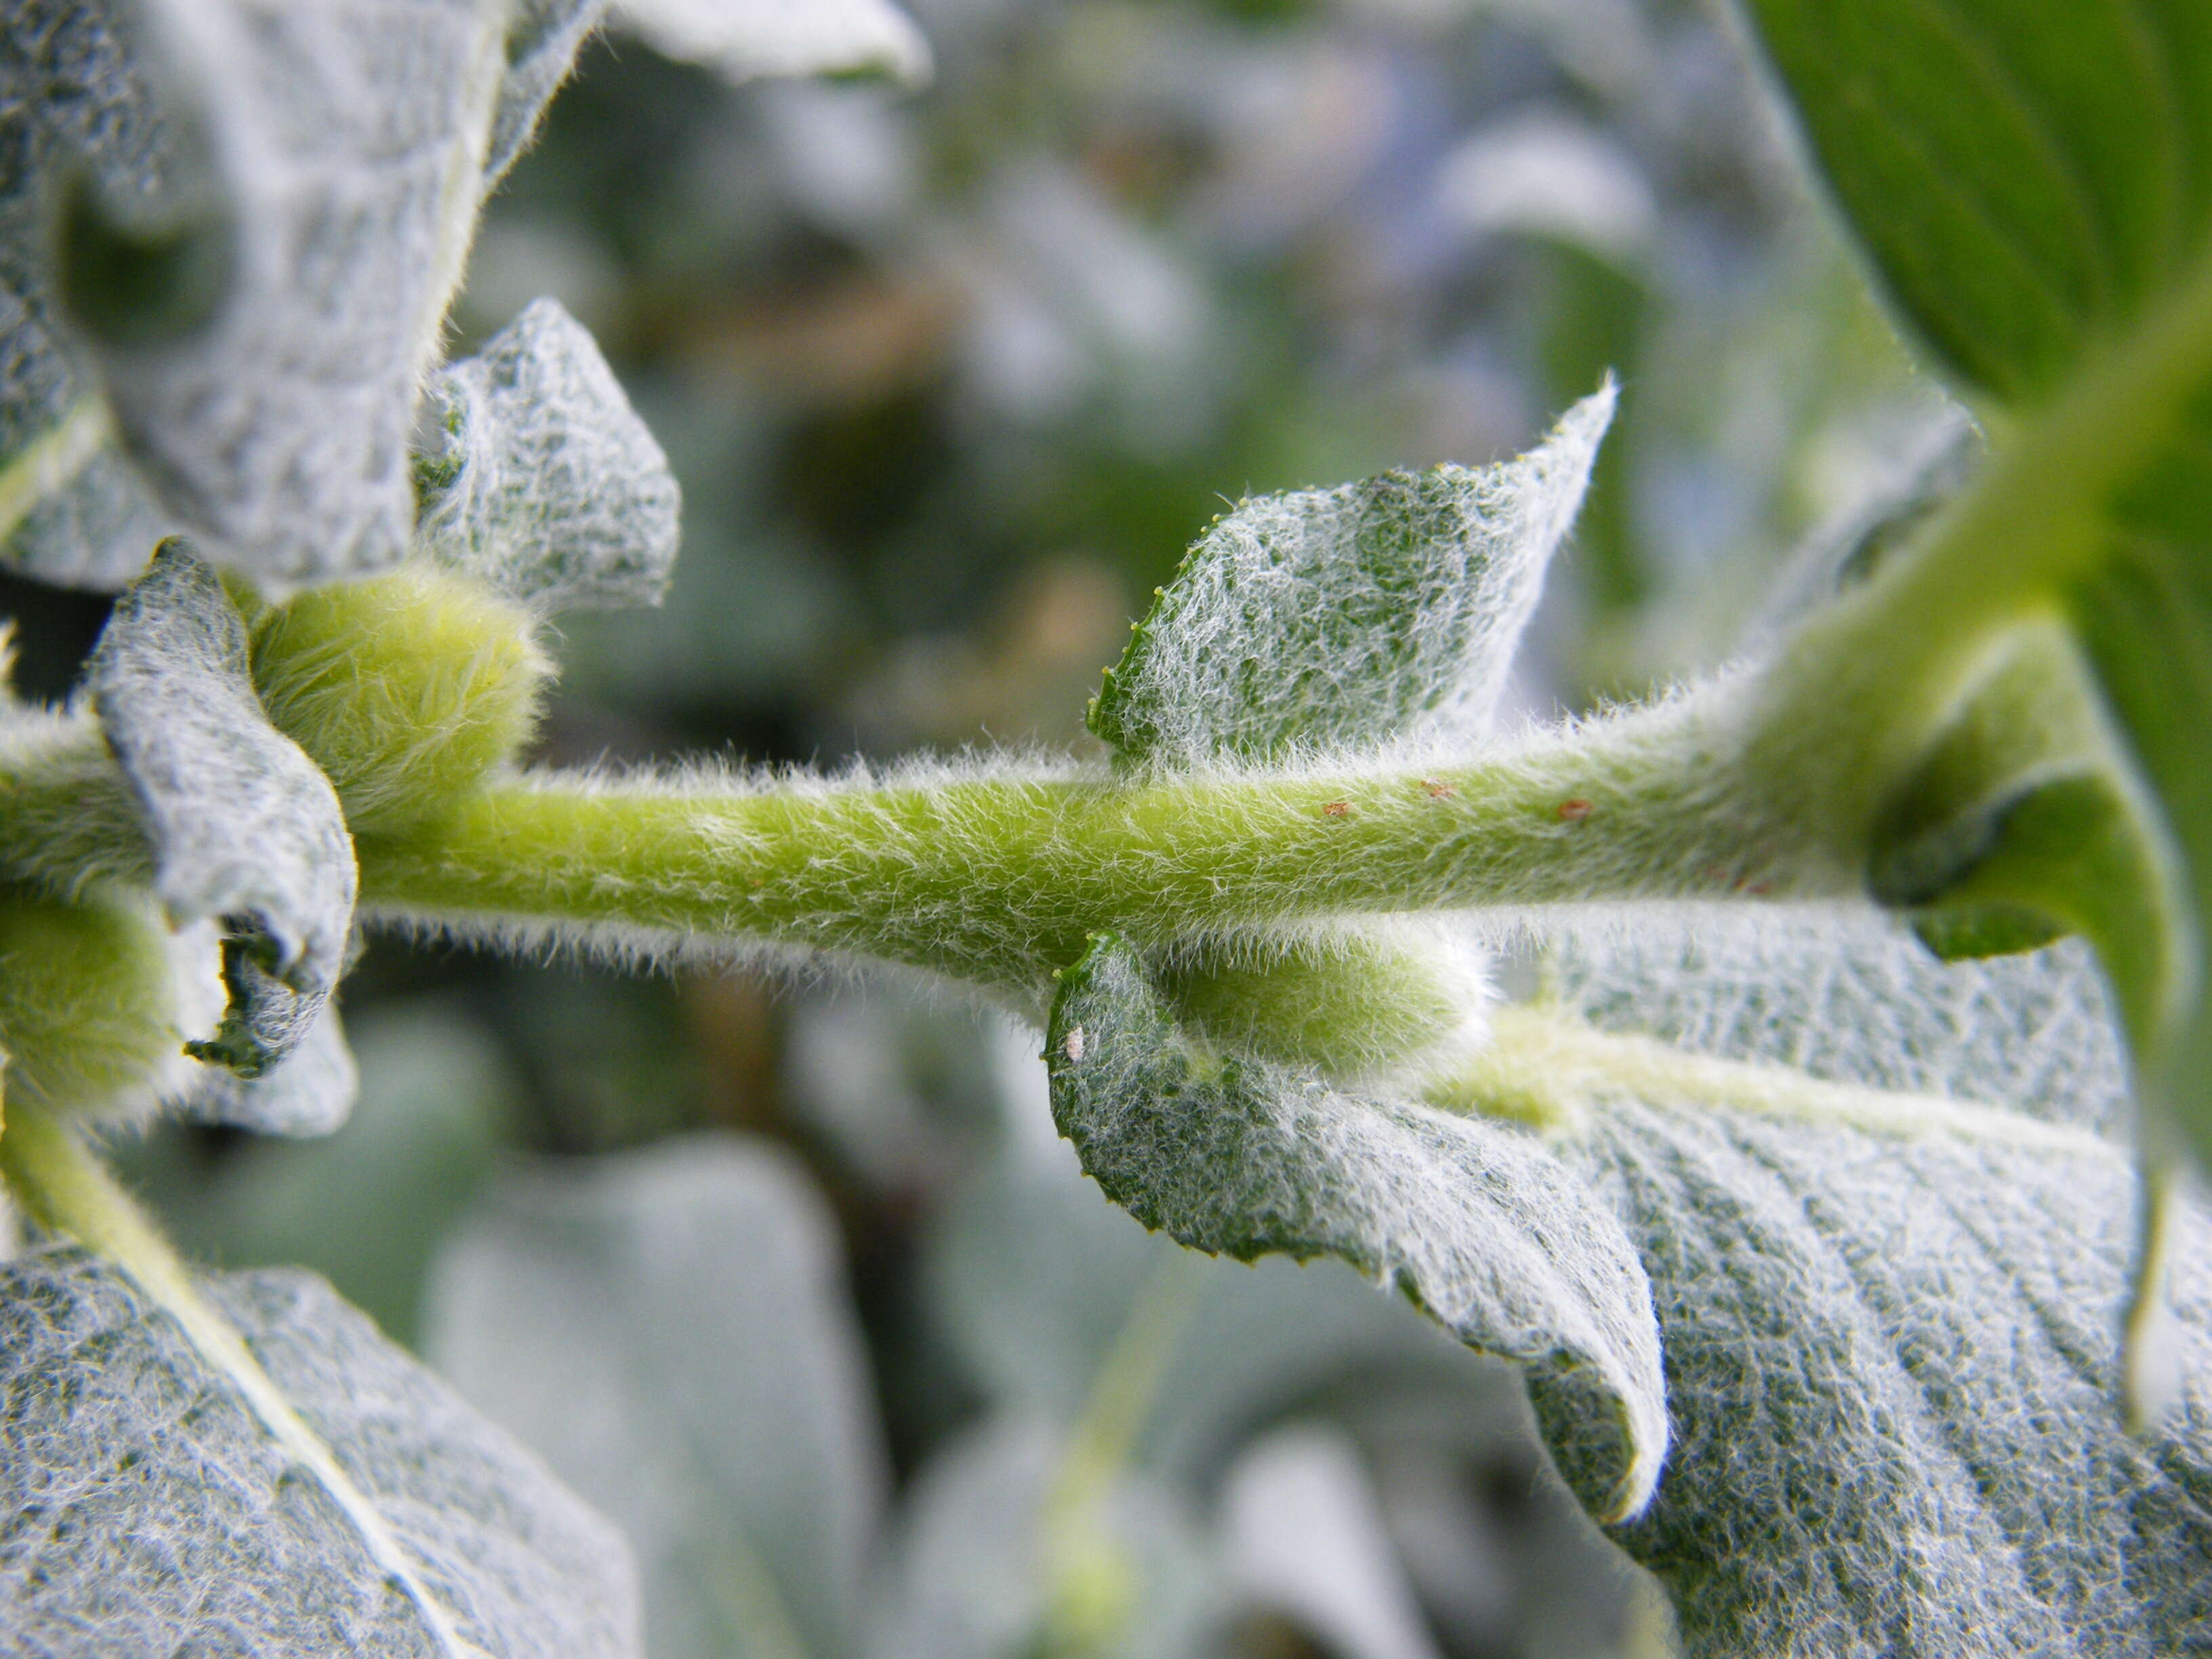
[1830, 1267]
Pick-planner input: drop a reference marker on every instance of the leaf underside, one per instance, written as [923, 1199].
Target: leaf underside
[1893, 1361]
[1477, 1222]
[150, 1504]
[1891, 1353]
[243, 826]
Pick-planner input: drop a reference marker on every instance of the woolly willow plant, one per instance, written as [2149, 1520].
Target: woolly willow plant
[1815, 1250]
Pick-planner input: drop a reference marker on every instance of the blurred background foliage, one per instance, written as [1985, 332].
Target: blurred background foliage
[796, 1283]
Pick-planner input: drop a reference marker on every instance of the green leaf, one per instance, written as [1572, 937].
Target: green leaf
[538, 478]
[1479, 1222]
[2035, 184]
[668, 1328]
[2028, 175]
[1378, 611]
[2145, 619]
[154, 1507]
[243, 826]
[748, 38]
[263, 218]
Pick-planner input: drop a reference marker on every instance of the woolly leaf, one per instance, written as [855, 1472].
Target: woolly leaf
[243, 826]
[263, 211]
[150, 1500]
[1891, 1322]
[746, 39]
[2027, 176]
[70, 509]
[669, 1330]
[1477, 1222]
[1354, 616]
[1893, 1376]
[537, 478]
[543, 37]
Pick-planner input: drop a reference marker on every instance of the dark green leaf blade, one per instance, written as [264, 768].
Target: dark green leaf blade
[2026, 177]
[2144, 616]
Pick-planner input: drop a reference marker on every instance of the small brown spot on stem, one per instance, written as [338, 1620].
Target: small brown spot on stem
[1336, 809]
[1575, 810]
[1438, 788]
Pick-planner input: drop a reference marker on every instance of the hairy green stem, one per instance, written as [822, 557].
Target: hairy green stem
[68, 821]
[1866, 683]
[1001, 879]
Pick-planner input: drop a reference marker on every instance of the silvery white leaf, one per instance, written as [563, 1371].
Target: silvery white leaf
[1477, 1221]
[543, 38]
[1893, 1376]
[150, 1510]
[668, 1328]
[96, 530]
[1849, 995]
[243, 825]
[748, 38]
[1333, 618]
[69, 99]
[333, 153]
[1893, 1358]
[535, 474]
[309, 1091]
[264, 210]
